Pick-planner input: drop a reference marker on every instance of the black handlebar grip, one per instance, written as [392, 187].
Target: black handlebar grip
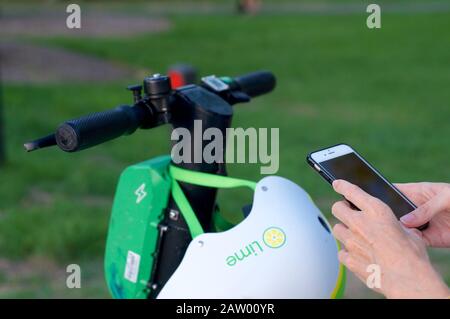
[93, 129]
[256, 83]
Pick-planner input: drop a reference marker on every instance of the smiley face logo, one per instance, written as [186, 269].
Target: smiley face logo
[274, 237]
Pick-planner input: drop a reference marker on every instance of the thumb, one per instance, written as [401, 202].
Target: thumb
[425, 212]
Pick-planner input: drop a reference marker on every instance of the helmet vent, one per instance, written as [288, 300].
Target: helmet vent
[323, 223]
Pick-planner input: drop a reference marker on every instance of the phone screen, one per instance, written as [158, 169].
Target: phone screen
[354, 170]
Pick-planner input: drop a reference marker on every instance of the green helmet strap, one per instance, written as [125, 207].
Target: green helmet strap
[200, 179]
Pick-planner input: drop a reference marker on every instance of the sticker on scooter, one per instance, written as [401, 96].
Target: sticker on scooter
[140, 193]
[132, 266]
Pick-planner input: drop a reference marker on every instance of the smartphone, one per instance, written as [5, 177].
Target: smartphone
[343, 162]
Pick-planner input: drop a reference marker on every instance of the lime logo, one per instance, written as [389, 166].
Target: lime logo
[274, 237]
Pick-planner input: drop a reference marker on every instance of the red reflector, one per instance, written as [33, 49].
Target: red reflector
[176, 79]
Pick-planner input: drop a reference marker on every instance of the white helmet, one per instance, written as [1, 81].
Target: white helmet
[283, 249]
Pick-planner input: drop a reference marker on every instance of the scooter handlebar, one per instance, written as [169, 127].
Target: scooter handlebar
[256, 83]
[96, 128]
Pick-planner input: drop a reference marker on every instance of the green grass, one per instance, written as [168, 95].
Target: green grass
[385, 92]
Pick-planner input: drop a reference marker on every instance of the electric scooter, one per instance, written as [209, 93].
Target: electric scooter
[167, 237]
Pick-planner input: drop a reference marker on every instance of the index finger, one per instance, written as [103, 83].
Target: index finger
[412, 191]
[356, 195]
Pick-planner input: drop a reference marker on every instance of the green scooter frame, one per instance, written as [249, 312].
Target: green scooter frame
[161, 207]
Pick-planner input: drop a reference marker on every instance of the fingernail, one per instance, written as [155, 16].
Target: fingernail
[409, 218]
[336, 183]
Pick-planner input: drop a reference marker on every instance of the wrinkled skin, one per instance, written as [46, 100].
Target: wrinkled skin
[373, 235]
[433, 201]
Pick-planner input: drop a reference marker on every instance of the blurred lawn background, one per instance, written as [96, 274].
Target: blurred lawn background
[385, 92]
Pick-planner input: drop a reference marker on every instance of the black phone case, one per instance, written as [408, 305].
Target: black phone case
[330, 179]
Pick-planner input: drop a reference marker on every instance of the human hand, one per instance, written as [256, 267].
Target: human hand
[374, 236]
[433, 202]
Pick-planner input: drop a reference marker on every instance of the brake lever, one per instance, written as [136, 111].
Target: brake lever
[45, 141]
[235, 97]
